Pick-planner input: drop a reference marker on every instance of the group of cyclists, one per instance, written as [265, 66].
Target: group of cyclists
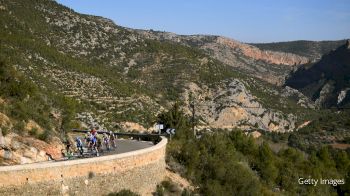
[94, 142]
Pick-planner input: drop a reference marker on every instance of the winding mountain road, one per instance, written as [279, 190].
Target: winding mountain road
[123, 146]
[129, 145]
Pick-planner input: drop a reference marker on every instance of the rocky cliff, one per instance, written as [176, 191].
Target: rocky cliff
[327, 81]
[231, 105]
[313, 50]
[24, 148]
[271, 66]
[279, 58]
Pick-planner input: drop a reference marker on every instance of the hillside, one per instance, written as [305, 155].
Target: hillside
[310, 49]
[254, 134]
[327, 81]
[266, 65]
[31, 120]
[120, 76]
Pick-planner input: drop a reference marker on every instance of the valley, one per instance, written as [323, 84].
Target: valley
[62, 70]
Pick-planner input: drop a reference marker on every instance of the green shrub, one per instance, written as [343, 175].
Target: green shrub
[222, 162]
[19, 127]
[124, 192]
[4, 130]
[45, 136]
[33, 132]
[13, 84]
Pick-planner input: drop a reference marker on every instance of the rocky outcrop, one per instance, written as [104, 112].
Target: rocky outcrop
[15, 149]
[5, 122]
[33, 126]
[264, 55]
[131, 126]
[209, 42]
[255, 134]
[313, 50]
[22, 149]
[267, 65]
[231, 105]
[300, 98]
[325, 91]
[342, 95]
[326, 81]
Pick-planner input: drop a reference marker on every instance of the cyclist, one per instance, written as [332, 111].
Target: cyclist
[112, 139]
[93, 131]
[79, 145]
[94, 144]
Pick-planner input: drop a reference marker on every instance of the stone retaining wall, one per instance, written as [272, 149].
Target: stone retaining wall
[139, 171]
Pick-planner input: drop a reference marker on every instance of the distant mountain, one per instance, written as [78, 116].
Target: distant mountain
[327, 81]
[311, 49]
[267, 65]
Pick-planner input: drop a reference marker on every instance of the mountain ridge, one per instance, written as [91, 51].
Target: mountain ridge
[138, 73]
[311, 49]
[118, 74]
[266, 65]
[326, 81]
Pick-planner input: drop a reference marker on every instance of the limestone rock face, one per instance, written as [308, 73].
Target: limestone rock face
[255, 134]
[15, 149]
[301, 99]
[267, 65]
[342, 95]
[23, 149]
[5, 121]
[326, 81]
[131, 126]
[267, 56]
[326, 89]
[231, 105]
[31, 125]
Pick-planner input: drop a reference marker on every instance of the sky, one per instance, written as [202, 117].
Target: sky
[244, 20]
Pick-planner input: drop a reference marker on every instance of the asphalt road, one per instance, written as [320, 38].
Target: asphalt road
[123, 145]
[130, 145]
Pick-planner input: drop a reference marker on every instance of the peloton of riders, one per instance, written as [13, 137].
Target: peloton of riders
[94, 142]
